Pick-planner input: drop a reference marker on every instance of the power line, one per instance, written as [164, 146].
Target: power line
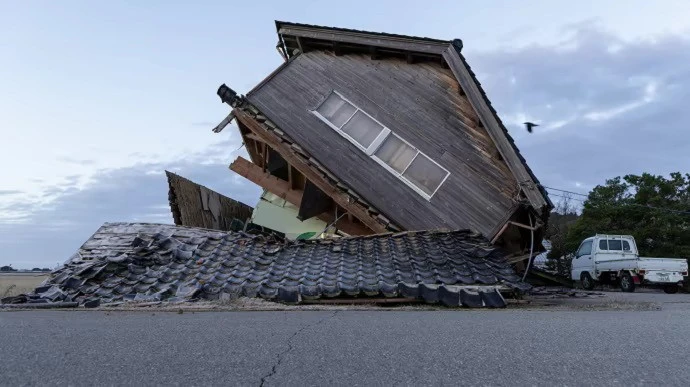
[626, 204]
[566, 197]
[562, 190]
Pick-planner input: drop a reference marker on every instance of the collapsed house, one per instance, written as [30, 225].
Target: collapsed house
[373, 132]
[153, 262]
[194, 205]
[386, 141]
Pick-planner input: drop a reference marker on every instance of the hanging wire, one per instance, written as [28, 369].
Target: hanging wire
[621, 205]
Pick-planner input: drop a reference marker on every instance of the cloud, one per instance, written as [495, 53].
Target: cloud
[73, 160]
[9, 192]
[602, 112]
[48, 234]
[606, 107]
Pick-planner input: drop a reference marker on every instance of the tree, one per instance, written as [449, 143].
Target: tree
[560, 221]
[7, 268]
[653, 209]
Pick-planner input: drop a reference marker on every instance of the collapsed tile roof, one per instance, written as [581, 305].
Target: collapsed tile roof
[152, 262]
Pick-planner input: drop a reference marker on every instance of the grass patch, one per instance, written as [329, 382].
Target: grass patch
[15, 284]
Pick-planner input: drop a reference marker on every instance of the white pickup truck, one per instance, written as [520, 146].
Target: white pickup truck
[614, 259]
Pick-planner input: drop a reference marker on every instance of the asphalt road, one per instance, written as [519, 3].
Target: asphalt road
[508, 347]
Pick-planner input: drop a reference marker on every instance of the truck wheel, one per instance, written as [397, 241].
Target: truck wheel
[587, 281]
[671, 289]
[627, 284]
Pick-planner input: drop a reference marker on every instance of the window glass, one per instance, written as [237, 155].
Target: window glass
[615, 244]
[585, 249]
[602, 245]
[396, 153]
[362, 129]
[425, 174]
[626, 246]
[412, 166]
[336, 110]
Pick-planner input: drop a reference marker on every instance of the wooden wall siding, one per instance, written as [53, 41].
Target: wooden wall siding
[489, 118]
[420, 102]
[194, 205]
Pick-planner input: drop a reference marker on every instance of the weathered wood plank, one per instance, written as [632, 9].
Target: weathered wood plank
[497, 133]
[408, 99]
[256, 175]
[194, 205]
[365, 39]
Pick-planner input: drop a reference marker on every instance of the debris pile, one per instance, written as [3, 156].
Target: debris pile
[155, 262]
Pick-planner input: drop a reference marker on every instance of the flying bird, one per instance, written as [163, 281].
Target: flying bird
[530, 125]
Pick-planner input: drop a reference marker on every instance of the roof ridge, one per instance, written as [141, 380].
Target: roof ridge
[280, 24]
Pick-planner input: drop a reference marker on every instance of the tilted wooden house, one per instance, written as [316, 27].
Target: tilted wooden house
[380, 132]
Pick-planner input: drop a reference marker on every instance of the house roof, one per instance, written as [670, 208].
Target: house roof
[295, 36]
[292, 35]
[152, 262]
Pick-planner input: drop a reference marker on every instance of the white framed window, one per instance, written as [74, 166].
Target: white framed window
[396, 155]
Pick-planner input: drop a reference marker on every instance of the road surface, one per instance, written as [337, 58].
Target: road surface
[506, 347]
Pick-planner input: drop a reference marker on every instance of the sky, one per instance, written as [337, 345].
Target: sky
[100, 98]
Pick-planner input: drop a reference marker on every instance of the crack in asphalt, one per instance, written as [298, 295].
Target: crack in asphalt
[283, 354]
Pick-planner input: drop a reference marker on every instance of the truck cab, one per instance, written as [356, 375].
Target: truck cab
[614, 259]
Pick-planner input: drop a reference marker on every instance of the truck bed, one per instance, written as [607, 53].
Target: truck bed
[665, 264]
[615, 262]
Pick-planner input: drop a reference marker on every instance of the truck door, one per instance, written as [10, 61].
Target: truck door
[583, 260]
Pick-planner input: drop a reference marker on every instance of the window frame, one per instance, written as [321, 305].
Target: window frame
[376, 144]
[591, 243]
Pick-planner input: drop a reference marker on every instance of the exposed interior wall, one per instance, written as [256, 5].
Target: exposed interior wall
[277, 214]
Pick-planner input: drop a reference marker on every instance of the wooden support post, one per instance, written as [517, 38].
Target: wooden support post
[291, 181]
[498, 235]
[274, 185]
[523, 226]
[264, 156]
[256, 148]
[300, 45]
[373, 51]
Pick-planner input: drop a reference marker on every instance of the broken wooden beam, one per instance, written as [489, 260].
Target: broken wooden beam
[338, 196]
[282, 189]
[256, 175]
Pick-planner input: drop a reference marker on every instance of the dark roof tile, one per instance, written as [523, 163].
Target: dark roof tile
[287, 271]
